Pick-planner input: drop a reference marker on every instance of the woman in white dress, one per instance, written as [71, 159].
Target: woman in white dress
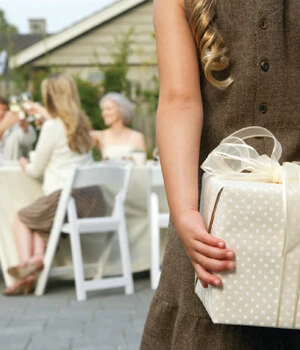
[64, 142]
[118, 141]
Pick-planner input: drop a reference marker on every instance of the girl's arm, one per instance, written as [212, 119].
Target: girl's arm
[179, 127]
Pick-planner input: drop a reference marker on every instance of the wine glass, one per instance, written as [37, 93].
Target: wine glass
[25, 97]
[13, 99]
[15, 106]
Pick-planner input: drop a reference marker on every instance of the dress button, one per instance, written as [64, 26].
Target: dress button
[264, 24]
[263, 108]
[264, 66]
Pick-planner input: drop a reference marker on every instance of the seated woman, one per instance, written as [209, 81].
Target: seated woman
[16, 136]
[118, 141]
[64, 142]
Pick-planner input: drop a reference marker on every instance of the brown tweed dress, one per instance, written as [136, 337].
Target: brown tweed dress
[263, 37]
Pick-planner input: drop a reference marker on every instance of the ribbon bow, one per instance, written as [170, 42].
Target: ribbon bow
[234, 159]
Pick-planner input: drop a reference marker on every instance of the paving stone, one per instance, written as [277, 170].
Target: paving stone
[108, 320]
[129, 347]
[5, 321]
[57, 323]
[47, 341]
[23, 321]
[82, 315]
[24, 329]
[87, 343]
[92, 348]
[14, 347]
[14, 341]
[96, 347]
[47, 347]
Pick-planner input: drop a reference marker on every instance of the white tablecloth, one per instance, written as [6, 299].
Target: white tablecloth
[17, 190]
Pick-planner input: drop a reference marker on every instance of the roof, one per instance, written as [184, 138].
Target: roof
[79, 28]
[19, 42]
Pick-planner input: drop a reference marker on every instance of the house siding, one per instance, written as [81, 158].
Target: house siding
[84, 54]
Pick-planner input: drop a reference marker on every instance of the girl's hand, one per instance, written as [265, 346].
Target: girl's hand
[23, 162]
[208, 254]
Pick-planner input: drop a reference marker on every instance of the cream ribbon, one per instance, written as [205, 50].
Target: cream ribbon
[234, 159]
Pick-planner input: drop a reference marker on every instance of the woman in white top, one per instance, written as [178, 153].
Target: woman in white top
[64, 142]
[117, 141]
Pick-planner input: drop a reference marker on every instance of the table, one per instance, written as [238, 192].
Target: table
[17, 190]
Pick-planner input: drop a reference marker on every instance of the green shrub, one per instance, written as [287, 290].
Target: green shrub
[89, 96]
[115, 75]
[36, 78]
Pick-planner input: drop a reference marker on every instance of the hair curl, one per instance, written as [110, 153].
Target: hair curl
[61, 99]
[202, 16]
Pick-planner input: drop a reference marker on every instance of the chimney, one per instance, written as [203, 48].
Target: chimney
[37, 26]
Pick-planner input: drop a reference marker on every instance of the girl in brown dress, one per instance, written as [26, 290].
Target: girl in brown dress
[249, 74]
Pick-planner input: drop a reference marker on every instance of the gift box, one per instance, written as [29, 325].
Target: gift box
[253, 204]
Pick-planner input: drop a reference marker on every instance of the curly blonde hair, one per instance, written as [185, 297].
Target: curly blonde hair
[61, 99]
[202, 16]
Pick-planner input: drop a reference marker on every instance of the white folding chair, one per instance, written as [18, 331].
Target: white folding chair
[111, 175]
[157, 221]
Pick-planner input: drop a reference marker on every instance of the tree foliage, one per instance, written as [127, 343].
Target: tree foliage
[5, 27]
[36, 78]
[115, 75]
[89, 97]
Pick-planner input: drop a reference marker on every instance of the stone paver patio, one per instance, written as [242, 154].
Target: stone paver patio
[108, 320]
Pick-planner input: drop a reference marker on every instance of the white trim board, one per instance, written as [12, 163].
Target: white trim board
[52, 42]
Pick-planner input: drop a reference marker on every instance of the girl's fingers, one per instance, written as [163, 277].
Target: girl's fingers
[213, 264]
[204, 284]
[208, 239]
[207, 278]
[214, 252]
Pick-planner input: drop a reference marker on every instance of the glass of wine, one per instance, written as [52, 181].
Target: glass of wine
[25, 98]
[15, 106]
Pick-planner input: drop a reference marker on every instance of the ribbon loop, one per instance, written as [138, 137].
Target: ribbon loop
[257, 131]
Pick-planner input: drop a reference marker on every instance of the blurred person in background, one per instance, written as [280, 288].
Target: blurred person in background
[64, 141]
[118, 140]
[16, 136]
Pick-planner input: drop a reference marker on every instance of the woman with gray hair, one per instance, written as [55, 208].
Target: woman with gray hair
[117, 141]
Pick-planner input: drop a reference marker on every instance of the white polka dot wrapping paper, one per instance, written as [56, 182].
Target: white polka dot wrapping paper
[259, 220]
